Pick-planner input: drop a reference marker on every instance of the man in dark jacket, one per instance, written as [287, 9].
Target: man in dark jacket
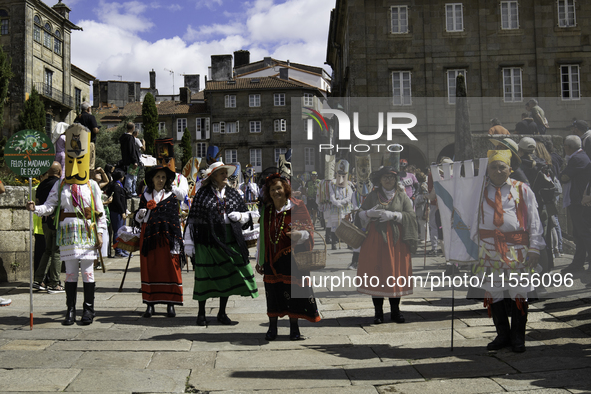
[576, 179]
[52, 251]
[526, 126]
[86, 118]
[130, 154]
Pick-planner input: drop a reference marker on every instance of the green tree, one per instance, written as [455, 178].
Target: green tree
[32, 117]
[186, 147]
[5, 77]
[150, 122]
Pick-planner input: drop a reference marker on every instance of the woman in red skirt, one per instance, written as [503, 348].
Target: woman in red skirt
[161, 242]
[385, 255]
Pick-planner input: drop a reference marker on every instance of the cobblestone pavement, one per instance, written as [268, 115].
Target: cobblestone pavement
[344, 353]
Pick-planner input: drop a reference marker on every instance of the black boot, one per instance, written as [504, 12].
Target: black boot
[222, 317]
[354, 261]
[272, 332]
[149, 310]
[499, 315]
[518, 321]
[395, 314]
[170, 310]
[201, 320]
[378, 305]
[71, 288]
[294, 330]
[88, 312]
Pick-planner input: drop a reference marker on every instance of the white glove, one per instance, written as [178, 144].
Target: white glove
[389, 215]
[373, 213]
[141, 214]
[189, 250]
[241, 217]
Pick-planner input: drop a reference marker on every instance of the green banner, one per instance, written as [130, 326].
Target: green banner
[29, 153]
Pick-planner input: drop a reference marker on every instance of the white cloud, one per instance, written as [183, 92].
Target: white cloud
[294, 30]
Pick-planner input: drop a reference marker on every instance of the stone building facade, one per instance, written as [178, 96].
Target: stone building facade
[38, 40]
[509, 51]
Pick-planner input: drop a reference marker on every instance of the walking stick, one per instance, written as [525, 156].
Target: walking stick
[99, 251]
[124, 273]
[425, 244]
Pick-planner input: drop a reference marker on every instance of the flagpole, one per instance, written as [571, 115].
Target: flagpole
[31, 255]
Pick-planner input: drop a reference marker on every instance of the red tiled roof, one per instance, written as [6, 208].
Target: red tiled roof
[263, 83]
[164, 108]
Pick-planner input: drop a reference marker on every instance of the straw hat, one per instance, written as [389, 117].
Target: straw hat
[216, 166]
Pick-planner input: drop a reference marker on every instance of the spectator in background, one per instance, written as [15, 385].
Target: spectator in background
[581, 128]
[130, 157]
[51, 262]
[58, 138]
[527, 125]
[87, 119]
[576, 178]
[496, 128]
[118, 207]
[538, 115]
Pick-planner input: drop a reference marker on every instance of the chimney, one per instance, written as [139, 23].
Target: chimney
[152, 80]
[192, 82]
[284, 73]
[221, 67]
[241, 58]
[267, 62]
[185, 95]
[62, 9]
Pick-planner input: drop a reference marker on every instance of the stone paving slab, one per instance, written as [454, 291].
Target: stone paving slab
[381, 373]
[150, 346]
[113, 360]
[41, 333]
[10, 359]
[567, 379]
[328, 356]
[461, 367]
[137, 381]
[546, 358]
[28, 345]
[113, 334]
[37, 380]
[424, 349]
[399, 338]
[447, 386]
[178, 360]
[325, 390]
[275, 378]
[411, 326]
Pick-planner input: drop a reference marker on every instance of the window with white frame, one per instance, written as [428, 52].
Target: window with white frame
[181, 124]
[57, 43]
[401, 92]
[198, 128]
[230, 101]
[37, 28]
[215, 128]
[201, 149]
[254, 100]
[308, 99]
[231, 156]
[569, 82]
[509, 15]
[47, 36]
[255, 126]
[454, 18]
[138, 127]
[279, 99]
[512, 85]
[399, 16]
[232, 127]
[161, 127]
[280, 125]
[451, 84]
[207, 128]
[256, 159]
[279, 151]
[309, 161]
[566, 13]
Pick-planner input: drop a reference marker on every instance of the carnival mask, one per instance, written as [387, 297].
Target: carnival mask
[77, 154]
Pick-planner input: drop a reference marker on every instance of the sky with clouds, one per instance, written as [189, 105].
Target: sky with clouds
[125, 40]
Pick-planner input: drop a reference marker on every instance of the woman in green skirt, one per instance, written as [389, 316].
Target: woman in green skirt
[213, 238]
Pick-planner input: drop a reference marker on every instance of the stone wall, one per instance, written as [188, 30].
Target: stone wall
[14, 233]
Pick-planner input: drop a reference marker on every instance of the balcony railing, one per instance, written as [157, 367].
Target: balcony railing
[54, 94]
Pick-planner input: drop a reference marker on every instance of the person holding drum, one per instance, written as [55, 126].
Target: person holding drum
[161, 242]
[285, 223]
[214, 238]
[388, 215]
